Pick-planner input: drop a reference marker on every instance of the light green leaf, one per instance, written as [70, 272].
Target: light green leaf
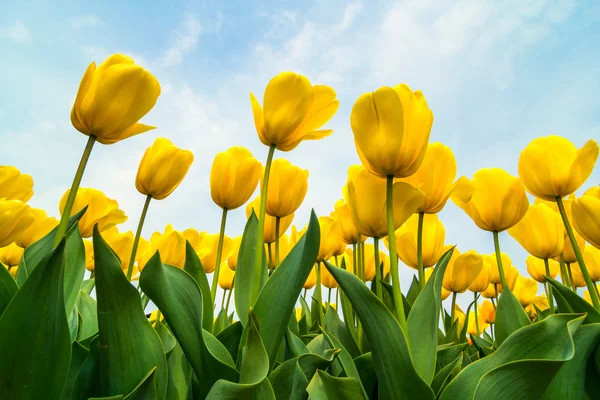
[244, 271]
[326, 387]
[193, 266]
[510, 316]
[86, 306]
[180, 374]
[8, 288]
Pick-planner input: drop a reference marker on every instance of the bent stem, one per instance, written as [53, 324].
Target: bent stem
[580, 261]
[66, 212]
[138, 234]
[213, 289]
[398, 304]
[378, 279]
[261, 226]
[420, 250]
[499, 262]
[550, 298]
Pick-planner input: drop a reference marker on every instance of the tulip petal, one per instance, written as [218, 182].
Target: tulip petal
[582, 167]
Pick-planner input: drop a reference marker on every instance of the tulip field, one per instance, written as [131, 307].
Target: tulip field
[89, 311]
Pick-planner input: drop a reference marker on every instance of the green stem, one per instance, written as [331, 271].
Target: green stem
[261, 226]
[329, 297]
[318, 294]
[363, 262]
[378, 279]
[452, 313]
[397, 292]
[476, 314]
[138, 234]
[494, 302]
[277, 223]
[596, 287]
[355, 259]
[571, 277]
[420, 250]
[499, 261]
[337, 263]
[304, 295]
[66, 213]
[496, 293]
[213, 289]
[270, 258]
[337, 298]
[550, 298]
[563, 271]
[546, 290]
[580, 261]
[223, 299]
[229, 297]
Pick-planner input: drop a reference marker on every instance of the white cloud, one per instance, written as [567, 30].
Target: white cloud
[18, 32]
[84, 21]
[350, 12]
[185, 40]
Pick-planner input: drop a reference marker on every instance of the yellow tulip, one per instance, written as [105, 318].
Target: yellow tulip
[578, 280]
[101, 210]
[586, 216]
[487, 311]
[537, 269]
[490, 292]
[299, 313]
[434, 235]
[591, 257]
[586, 294]
[462, 270]
[494, 200]
[285, 246]
[122, 244]
[327, 279]
[391, 130]
[311, 280]
[269, 234]
[113, 98]
[540, 232]
[162, 169]
[171, 246]
[15, 218]
[460, 317]
[41, 226]
[233, 177]
[472, 324]
[11, 255]
[287, 188]
[512, 274]
[14, 185]
[210, 243]
[367, 201]
[540, 302]
[89, 254]
[435, 177]
[293, 110]
[551, 166]
[481, 283]
[14, 270]
[233, 257]
[226, 276]
[343, 214]
[525, 290]
[568, 253]
[494, 271]
[330, 235]
[195, 238]
[370, 262]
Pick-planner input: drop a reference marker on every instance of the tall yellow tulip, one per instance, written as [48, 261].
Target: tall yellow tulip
[540, 232]
[434, 235]
[270, 222]
[537, 268]
[494, 271]
[41, 226]
[476, 323]
[586, 216]
[89, 254]
[15, 218]
[370, 264]
[487, 312]
[327, 279]
[122, 244]
[288, 185]
[462, 270]
[11, 255]
[14, 185]
[311, 280]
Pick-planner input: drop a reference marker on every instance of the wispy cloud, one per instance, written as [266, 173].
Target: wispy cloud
[350, 12]
[18, 32]
[185, 40]
[84, 21]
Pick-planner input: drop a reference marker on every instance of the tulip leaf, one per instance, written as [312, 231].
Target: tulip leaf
[88, 382]
[337, 328]
[397, 376]
[230, 338]
[326, 387]
[178, 297]
[510, 316]
[146, 389]
[569, 383]
[8, 288]
[423, 322]
[413, 291]
[78, 355]
[536, 350]
[446, 374]
[180, 374]
[129, 346]
[244, 271]
[284, 287]
[35, 342]
[368, 377]
[575, 303]
[193, 266]
[447, 353]
[344, 358]
[295, 346]
[220, 322]
[88, 285]
[86, 306]
[74, 267]
[306, 310]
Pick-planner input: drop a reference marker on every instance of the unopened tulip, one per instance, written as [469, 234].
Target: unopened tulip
[171, 246]
[525, 290]
[493, 199]
[11, 255]
[299, 313]
[367, 201]
[15, 218]
[162, 169]
[462, 270]
[481, 283]
[537, 268]
[591, 256]
[101, 210]
[434, 235]
[311, 280]
[540, 232]
[552, 166]
[41, 226]
[269, 233]
[327, 279]
[586, 216]
[330, 235]
[487, 311]
[14, 185]
[113, 98]
[233, 257]
[233, 177]
[343, 214]
[391, 129]
[287, 188]
[226, 276]
[293, 110]
[435, 177]
[208, 254]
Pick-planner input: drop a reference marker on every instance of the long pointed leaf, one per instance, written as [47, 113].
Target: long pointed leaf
[193, 266]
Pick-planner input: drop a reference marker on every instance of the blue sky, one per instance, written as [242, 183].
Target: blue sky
[495, 74]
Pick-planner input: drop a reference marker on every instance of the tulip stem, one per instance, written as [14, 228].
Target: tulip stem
[563, 271]
[499, 262]
[596, 287]
[476, 314]
[397, 292]
[223, 299]
[420, 250]
[377, 270]
[66, 212]
[261, 226]
[277, 223]
[363, 262]
[138, 234]
[317, 293]
[550, 298]
[493, 302]
[213, 289]
[354, 259]
[571, 277]
[304, 295]
[270, 259]
[329, 297]
[580, 261]
[452, 313]
[337, 298]
[229, 296]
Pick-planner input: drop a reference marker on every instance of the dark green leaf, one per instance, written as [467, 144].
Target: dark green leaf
[8, 288]
[244, 271]
[443, 377]
[230, 338]
[366, 370]
[337, 328]
[167, 339]
[344, 359]
[193, 266]
[413, 291]
[288, 381]
[88, 383]
[74, 267]
[295, 346]
[89, 316]
[78, 356]
[324, 386]
[180, 374]
[146, 390]
[220, 322]
[576, 304]
[510, 316]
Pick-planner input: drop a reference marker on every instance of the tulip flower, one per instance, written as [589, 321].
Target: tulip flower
[171, 246]
[15, 218]
[586, 294]
[458, 315]
[327, 279]
[285, 246]
[481, 283]
[288, 185]
[122, 244]
[233, 257]
[493, 262]
[537, 269]
[299, 313]
[552, 167]
[89, 254]
[210, 244]
[525, 290]
[462, 270]
[330, 235]
[476, 323]
[14, 185]
[270, 222]
[591, 256]
[576, 276]
[101, 210]
[226, 277]
[41, 226]
[490, 291]
[311, 280]
[541, 302]
[370, 262]
[233, 177]
[586, 216]
[540, 232]
[487, 311]
[343, 214]
[11, 255]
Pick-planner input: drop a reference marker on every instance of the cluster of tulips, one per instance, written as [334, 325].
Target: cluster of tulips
[93, 335]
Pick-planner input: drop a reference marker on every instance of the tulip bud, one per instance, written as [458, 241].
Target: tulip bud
[113, 98]
[233, 177]
[433, 248]
[586, 215]
[330, 235]
[41, 226]
[270, 222]
[11, 255]
[15, 218]
[462, 270]
[537, 268]
[293, 110]
[226, 276]
[525, 290]
[540, 232]
[487, 311]
[287, 188]
[551, 166]
[14, 185]
[327, 279]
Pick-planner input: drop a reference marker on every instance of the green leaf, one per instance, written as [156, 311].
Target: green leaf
[8, 288]
[220, 323]
[537, 350]
[324, 386]
[244, 271]
[180, 374]
[74, 267]
[78, 356]
[569, 383]
[295, 346]
[88, 285]
[86, 306]
[396, 373]
[146, 389]
[193, 266]
[345, 359]
[88, 382]
[447, 353]
[337, 328]
[413, 291]
[510, 316]
[576, 303]
[180, 300]
[167, 339]
[129, 346]
[35, 343]
[423, 322]
[230, 338]
[446, 374]
[284, 287]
